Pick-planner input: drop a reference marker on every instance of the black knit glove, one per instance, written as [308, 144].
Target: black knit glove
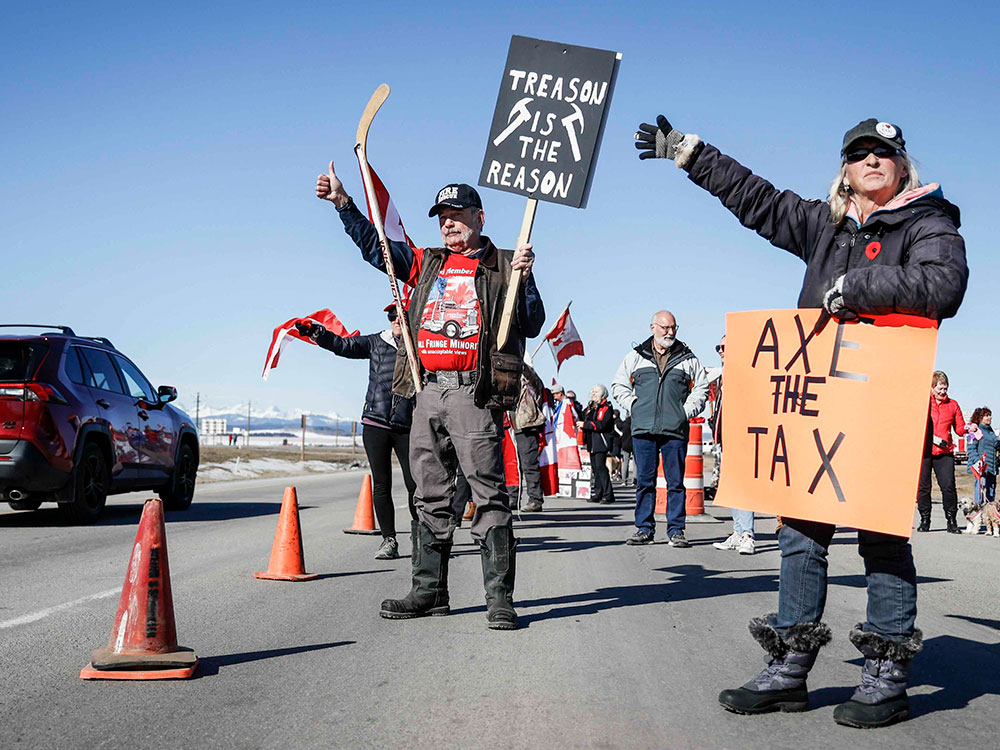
[659, 142]
[310, 330]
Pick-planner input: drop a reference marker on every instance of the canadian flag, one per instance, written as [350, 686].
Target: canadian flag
[548, 455]
[567, 450]
[563, 339]
[287, 331]
[390, 216]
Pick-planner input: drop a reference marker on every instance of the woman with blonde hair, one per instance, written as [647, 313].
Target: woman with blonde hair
[880, 243]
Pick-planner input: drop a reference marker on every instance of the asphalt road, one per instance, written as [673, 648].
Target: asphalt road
[620, 647]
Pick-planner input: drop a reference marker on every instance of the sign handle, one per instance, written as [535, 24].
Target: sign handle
[515, 277]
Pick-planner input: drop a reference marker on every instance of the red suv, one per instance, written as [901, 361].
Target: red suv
[79, 422]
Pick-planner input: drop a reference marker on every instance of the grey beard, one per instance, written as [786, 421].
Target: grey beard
[666, 342]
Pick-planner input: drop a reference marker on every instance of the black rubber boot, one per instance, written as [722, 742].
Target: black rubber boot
[925, 521]
[782, 684]
[498, 554]
[429, 594]
[880, 699]
[952, 524]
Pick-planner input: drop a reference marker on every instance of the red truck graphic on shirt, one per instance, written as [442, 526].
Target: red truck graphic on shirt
[442, 315]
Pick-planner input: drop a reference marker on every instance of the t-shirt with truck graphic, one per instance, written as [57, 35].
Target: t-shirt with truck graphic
[448, 338]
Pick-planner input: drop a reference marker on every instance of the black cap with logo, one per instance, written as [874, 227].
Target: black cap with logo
[884, 132]
[456, 195]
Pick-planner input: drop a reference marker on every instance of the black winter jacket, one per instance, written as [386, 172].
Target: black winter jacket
[910, 259]
[381, 404]
[599, 427]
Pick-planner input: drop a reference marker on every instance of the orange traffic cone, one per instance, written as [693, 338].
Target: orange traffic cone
[287, 562]
[364, 514]
[143, 643]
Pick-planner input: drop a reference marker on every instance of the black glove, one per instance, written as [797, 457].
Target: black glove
[833, 301]
[310, 330]
[659, 142]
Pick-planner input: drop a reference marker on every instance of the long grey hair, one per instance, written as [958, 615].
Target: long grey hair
[841, 191]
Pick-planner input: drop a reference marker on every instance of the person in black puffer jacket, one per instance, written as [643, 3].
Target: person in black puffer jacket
[881, 243]
[598, 432]
[385, 419]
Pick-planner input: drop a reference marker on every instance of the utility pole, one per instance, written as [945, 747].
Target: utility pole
[248, 426]
[197, 411]
[302, 456]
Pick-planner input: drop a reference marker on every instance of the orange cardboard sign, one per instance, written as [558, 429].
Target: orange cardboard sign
[807, 412]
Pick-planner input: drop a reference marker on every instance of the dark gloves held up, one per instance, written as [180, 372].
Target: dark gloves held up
[310, 330]
[659, 141]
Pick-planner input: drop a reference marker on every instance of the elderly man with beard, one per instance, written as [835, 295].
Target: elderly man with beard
[663, 385]
[468, 383]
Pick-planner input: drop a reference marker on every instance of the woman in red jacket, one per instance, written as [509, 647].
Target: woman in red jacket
[939, 454]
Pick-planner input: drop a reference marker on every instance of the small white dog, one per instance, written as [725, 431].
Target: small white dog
[987, 514]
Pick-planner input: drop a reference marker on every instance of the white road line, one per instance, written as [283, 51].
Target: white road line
[24, 620]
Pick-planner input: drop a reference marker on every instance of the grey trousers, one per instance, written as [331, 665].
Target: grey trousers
[527, 456]
[449, 431]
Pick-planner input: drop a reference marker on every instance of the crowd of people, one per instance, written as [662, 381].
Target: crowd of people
[442, 400]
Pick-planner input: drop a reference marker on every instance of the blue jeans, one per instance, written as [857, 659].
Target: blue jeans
[743, 521]
[889, 570]
[648, 449]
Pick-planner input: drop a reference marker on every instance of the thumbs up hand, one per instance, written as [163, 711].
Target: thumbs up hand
[330, 188]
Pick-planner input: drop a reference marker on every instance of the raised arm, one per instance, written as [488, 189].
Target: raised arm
[780, 216]
[405, 261]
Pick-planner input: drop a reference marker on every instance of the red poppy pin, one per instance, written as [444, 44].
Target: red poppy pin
[873, 249]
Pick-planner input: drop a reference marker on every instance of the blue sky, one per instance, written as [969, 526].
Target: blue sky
[159, 163]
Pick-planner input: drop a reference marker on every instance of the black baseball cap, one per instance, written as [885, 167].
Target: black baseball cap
[884, 132]
[456, 195]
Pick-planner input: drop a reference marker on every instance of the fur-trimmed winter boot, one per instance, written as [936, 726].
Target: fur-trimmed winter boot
[429, 593]
[498, 554]
[880, 699]
[782, 684]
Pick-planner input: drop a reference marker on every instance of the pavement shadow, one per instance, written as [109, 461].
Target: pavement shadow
[208, 666]
[528, 544]
[49, 516]
[692, 582]
[995, 624]
[323, 576]
[963, 669]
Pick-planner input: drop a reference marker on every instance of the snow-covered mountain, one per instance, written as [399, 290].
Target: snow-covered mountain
[271, 418]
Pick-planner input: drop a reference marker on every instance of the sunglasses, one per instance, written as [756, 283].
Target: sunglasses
[720, 348]
[391, 315]
[881, 151]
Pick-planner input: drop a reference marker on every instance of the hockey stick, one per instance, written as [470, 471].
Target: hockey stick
[374, 104]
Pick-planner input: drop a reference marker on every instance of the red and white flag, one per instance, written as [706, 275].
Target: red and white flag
[287, 331]
[390, 216]
[548, 455]
[566, 446]
[564, 340]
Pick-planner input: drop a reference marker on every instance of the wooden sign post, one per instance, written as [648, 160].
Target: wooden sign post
[546, 132]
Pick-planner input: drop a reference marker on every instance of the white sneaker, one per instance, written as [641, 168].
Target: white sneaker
[732, 542]
[747, 544]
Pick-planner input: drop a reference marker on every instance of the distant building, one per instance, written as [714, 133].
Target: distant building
[213, 426]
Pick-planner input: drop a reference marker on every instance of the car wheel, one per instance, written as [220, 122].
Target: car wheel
[91, 480]
[452, 330]
[180, 492]
[25, 504]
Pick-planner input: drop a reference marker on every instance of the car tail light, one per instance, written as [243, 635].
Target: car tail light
[31, 392]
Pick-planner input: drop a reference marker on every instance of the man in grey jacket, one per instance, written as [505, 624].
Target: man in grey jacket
[663, 385]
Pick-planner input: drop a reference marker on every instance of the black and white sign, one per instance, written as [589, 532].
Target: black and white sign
[549, 119]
